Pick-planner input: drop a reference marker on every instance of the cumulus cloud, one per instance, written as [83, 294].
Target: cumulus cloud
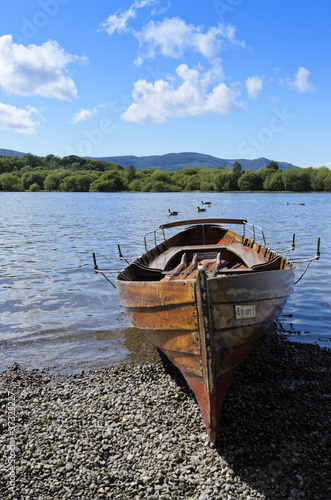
[84, 115]
[173, 37]
[20, 120]
[119, 20]
[158, 101]
[301, 82]
[36, 70]
[254, 86]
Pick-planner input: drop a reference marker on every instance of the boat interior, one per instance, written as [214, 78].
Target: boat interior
[212, 247]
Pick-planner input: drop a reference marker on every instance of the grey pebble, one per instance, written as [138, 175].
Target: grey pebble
[136, 431]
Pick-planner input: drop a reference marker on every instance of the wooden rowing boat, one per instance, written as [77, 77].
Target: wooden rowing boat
[203, 297]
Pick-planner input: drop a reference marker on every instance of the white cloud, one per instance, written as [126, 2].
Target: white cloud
[327, 165]
[254, 86]
[155, 102]
[119, 20]
[173, 37]
[301, 82]
[222, 100]
[18, 120]
[84, 115]
[36, 70]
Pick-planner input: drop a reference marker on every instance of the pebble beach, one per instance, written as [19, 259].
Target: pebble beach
[135, 431]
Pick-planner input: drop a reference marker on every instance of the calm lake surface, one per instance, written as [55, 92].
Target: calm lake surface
[55, 312]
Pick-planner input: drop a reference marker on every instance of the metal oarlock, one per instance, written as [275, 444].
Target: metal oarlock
[287, 250]
[121, 255]
[102, 271]
[309, 260]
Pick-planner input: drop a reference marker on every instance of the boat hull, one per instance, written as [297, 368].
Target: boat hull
[198, 326]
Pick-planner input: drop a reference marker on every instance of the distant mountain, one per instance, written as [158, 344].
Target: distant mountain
[9, 152]
[178, 161]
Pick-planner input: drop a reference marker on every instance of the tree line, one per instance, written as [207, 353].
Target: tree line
[76, 174]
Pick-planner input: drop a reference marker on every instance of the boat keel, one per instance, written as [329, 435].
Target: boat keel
[211, 404]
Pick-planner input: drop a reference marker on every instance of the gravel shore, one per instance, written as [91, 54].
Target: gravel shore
[135, 431]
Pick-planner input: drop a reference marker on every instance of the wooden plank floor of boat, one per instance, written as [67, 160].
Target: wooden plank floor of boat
[190, 272]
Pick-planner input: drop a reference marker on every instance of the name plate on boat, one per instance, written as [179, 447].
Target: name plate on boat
[207, 255]
[244, 312]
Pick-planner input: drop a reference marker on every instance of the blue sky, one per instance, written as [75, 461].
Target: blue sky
[229, 78]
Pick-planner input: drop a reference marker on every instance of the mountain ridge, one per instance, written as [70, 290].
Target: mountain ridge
[179, 161]
[10, 152]
[176, 161]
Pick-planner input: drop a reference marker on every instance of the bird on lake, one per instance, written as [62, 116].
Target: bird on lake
[172, 213]
[201, 209]
[206, 202]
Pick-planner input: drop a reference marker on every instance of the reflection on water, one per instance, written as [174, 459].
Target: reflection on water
[55, 312]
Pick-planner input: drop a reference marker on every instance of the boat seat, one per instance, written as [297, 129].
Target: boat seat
[248, 255]
[272, 265]
[141, 272]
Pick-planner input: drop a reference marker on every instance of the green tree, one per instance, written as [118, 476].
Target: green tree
[317, 178]
[110, 181]
[250, 181]
[55, 179]
[77, 183]
[327, 182]
[110, 165]
[52, 162]
[67, 161]
[223, 181]
[298, 179]
[207, 179]
[274, 182]
[235, 175]
[98, 165]
[158, 187]
[10, 182]
[272, 166]
[76, 166]
[186, 179]
[6, 165]
[160, 181]
[136, 185]
[285, 180]
[34, 177]
[131, 172]
[34, 188]
[192, 183]
[161, 176]
[263, 174]
[33, 160]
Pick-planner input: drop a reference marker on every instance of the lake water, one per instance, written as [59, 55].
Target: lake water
[55, 312]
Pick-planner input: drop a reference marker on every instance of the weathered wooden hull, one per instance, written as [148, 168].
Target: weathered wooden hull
[194, 323]
[203, 297]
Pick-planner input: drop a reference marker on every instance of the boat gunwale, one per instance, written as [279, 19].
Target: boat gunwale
[168, 246]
